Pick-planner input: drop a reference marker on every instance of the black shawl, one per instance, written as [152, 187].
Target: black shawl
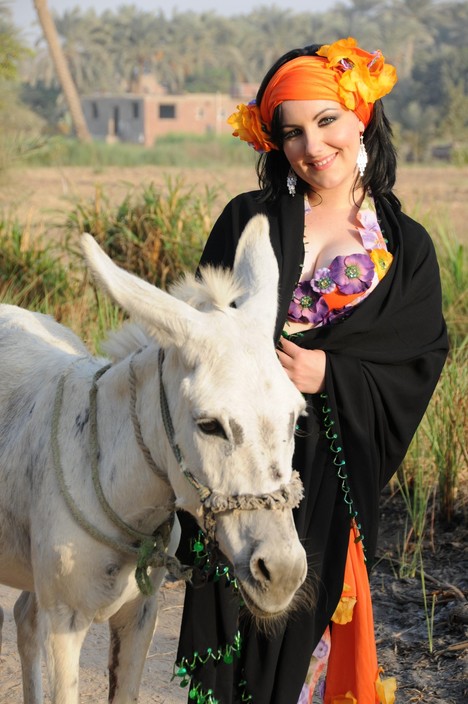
[383, 363]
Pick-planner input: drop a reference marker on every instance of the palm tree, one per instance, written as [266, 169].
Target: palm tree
[87, 44]
[63, 72]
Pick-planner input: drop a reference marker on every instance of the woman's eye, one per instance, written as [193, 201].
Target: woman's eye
[326, 120]
[211, 426]
[291, 134]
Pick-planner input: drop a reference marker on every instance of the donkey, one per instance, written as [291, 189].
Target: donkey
[194, 412]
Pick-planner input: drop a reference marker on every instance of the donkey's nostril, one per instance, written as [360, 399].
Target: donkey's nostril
[262, 572]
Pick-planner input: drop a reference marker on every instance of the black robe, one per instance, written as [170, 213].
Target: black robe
[383, 363]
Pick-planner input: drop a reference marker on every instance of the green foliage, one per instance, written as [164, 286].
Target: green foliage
[415, 485]
[444, 426]
[16, 120]
[156, 235]
[451, 256]
[31, 275]
[172, 150]
[12, 50]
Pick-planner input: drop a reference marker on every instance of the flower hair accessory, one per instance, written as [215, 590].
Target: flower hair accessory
[364, 75]
[248, 126]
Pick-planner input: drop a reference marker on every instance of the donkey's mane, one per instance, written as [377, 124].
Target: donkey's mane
[213, 289]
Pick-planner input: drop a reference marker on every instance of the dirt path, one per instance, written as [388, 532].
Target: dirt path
[156, 687]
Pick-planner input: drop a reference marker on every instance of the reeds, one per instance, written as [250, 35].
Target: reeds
[154, 234]
[31, 272]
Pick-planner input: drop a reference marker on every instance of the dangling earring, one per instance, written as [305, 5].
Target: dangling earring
[361, 157]
[291, 181]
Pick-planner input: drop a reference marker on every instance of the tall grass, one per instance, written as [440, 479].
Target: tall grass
[154, 234]
[31, 271]
[440, 443]
[444, 430]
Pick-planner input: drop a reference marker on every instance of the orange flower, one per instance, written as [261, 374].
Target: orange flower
[248, 127]
[363, 74]
[382, 261]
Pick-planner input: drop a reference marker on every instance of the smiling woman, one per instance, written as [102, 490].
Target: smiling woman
[360, 332]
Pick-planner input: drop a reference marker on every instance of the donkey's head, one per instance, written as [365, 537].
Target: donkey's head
[232, 408]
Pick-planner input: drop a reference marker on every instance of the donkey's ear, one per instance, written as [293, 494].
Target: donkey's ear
[167, 319]
[255, 266]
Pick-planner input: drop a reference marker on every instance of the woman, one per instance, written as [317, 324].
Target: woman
[360, 332]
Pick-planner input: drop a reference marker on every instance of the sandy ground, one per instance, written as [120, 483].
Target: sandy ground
[156, 687]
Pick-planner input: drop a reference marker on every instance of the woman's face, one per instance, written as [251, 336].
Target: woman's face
[321, 142]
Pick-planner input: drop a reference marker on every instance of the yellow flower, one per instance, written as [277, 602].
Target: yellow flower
[363, 74]
[386, 690]
[248, 127]
[382, 261]
[344, 611]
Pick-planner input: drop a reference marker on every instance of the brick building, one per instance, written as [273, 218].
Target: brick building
[144, 116]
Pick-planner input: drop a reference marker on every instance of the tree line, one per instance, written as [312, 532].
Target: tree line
[206, 52]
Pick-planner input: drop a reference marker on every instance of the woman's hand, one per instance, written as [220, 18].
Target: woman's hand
[305, 368]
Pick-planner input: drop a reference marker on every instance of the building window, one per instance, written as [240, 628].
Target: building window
[199, 113]
[167, 112]
[136, 109]
[94, 110]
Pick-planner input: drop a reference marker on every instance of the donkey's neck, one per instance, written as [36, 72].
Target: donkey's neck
[130, 483]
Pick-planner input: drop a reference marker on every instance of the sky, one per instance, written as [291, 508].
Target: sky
[24, 13]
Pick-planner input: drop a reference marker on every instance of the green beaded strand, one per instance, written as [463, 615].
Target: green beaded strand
[203, 560]
[340, 462]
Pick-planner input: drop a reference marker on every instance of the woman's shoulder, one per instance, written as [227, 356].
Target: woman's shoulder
[414, 236]
[251, 201]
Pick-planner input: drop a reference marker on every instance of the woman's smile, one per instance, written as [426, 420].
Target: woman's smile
[325, 163]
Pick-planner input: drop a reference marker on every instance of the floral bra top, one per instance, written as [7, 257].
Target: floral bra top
[333, 291]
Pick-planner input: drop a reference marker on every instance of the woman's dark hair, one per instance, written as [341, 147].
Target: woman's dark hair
[379, 176]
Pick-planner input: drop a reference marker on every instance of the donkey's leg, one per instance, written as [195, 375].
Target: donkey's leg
[29, 648]
[131, 631]
[1, 626]
[64, 632]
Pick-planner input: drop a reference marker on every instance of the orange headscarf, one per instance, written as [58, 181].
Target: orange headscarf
[341, 72]
[307, 78]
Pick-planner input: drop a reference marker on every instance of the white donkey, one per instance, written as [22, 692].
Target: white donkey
[195, 412]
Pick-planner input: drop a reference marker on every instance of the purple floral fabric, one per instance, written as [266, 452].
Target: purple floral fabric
[352, 274]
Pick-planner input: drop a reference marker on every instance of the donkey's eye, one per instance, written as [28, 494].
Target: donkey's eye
[211, 426]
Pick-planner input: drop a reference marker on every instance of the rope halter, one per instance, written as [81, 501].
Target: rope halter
[287, 496]
[148, 550]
